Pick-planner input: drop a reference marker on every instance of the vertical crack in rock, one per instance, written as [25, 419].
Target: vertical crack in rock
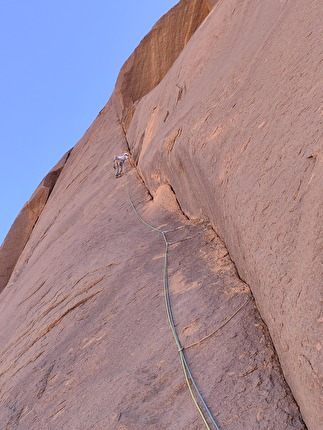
[196, 148]
[166, 192]
[248, 159]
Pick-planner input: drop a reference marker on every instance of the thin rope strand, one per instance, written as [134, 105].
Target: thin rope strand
[187, 373]
[218, 328]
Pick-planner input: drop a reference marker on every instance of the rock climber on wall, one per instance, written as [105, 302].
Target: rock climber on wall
[118, 162]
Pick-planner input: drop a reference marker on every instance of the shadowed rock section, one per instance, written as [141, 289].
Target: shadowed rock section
[23, 225]
[85, 342]
[156, 53]
[235, 128]
[227, 143]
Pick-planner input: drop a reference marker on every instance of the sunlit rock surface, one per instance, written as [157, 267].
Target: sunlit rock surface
[225, 131]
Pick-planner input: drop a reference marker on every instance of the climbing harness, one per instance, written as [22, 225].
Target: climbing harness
[190, 381]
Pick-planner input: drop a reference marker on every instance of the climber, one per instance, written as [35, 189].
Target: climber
[118, 163]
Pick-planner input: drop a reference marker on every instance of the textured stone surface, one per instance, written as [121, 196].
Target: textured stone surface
[86, 342]
[23, 225]
[236, 129]
[156, 53]
[229, 135]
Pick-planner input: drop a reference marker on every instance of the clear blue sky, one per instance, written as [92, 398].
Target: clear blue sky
[59, 63]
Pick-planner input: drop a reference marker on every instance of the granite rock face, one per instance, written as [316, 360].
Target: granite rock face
[223, 117]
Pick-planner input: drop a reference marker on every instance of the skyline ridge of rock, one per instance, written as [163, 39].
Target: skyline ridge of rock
[226, 134]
